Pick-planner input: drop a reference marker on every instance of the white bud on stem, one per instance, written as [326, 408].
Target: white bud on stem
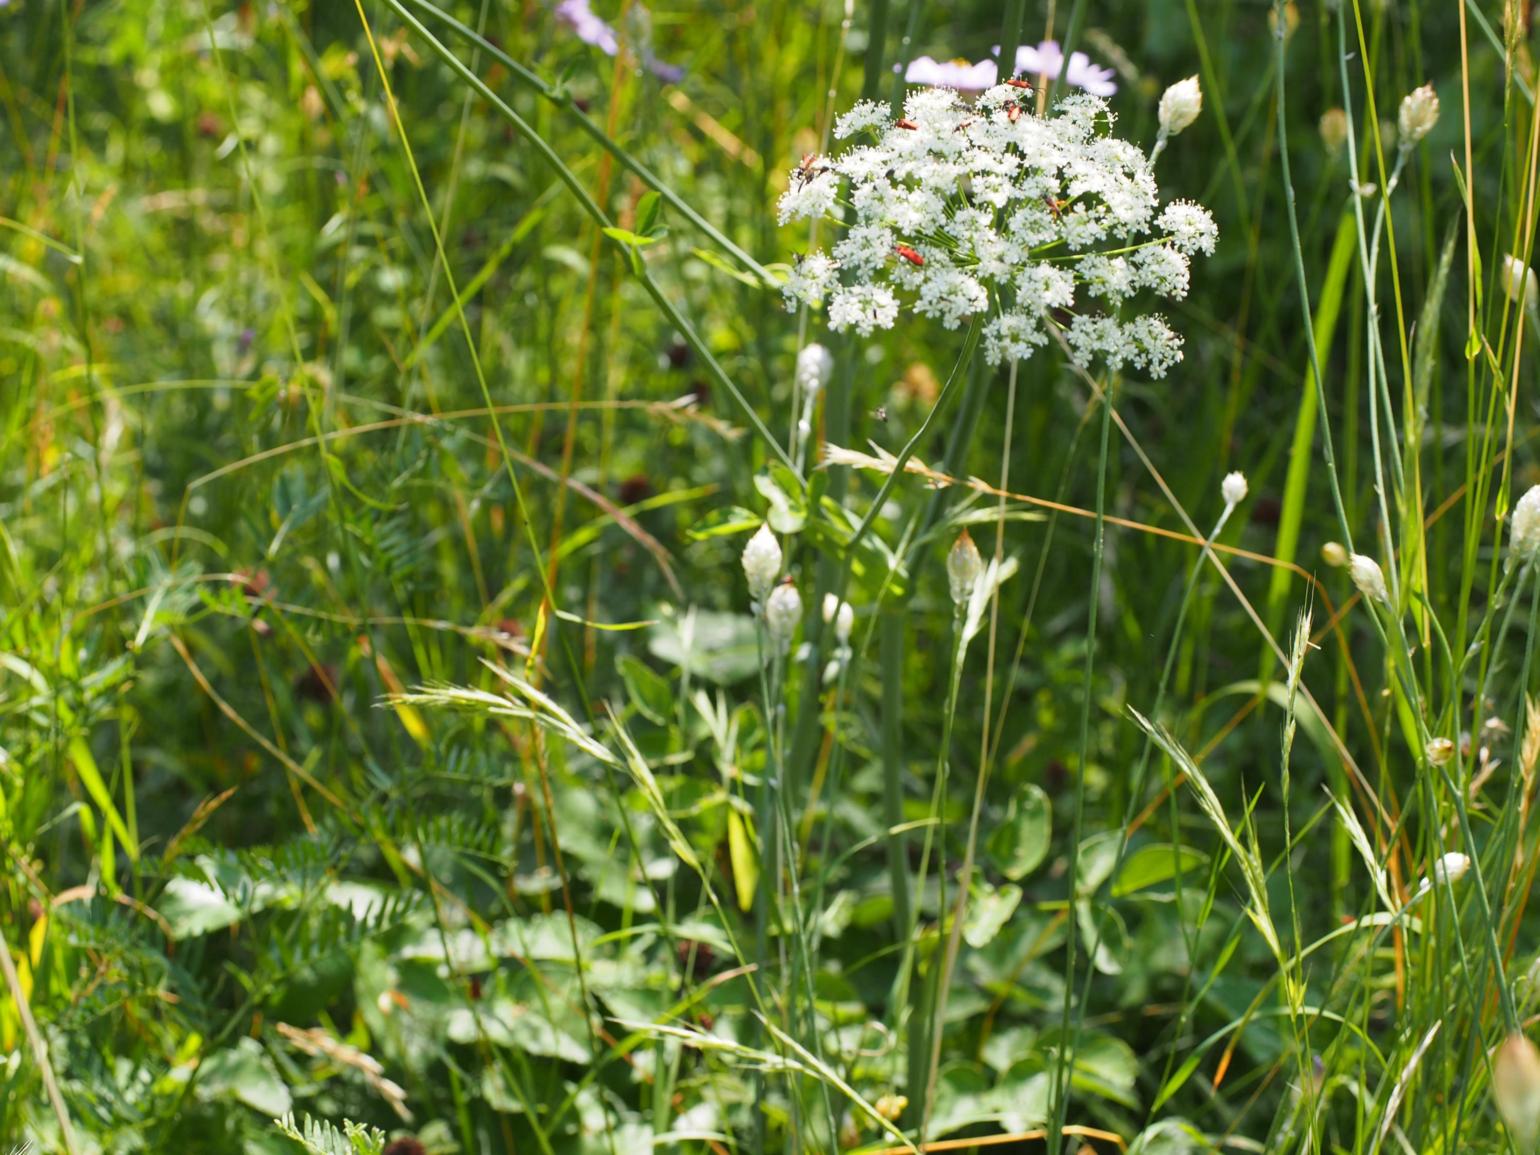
[1369, 578]
[761, 563]
[1180, 105]
[1519, 281]
[1516, 1089]
[814, 365]
[1233, 488]
[783, 612]
[1524, 528]
[1418, 115]
[1451, 867]
[841, 615]
[963, 566]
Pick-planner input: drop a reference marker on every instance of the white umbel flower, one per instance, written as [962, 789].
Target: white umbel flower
[1233, 488]
[783, 612]
[1519, 282]
[1524, 539]
[1180, 105]
[841, 615]
[814, 365]
[963, 566]
[1369, 578]
[1034, 225]
[762, 562]
[1418, 115]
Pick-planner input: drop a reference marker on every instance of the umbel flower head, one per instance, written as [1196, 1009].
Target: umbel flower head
[965, 210]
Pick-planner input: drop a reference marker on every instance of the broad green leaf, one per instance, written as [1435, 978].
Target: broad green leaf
[1153, 864]
[1020, 843]
[649, 692]
[988, 911]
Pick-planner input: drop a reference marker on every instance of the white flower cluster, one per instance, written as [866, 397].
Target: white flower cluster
[963, 208]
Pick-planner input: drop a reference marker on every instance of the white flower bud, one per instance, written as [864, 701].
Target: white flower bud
[1524, 527]
[1519, 281]
[1369, 578]
[1334, 555]
[1419, 113]
[761, 562]
[1516, 1089]
[1180, 105]
[1451, 867]
[1334, 130]
[1439, 751]
[1233, 488]
[841, 615]
[814, 365]
[963, 566]
[783, 612]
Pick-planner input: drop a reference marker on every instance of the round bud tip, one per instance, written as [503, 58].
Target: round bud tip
[963, 566]
[1180, 105]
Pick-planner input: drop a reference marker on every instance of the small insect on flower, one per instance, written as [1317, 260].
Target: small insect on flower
[909, 124]
[807, 170]
[911, 255]
[1013, 112]
[1017, 82]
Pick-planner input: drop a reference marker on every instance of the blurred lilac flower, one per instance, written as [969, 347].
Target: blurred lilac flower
[590, 29]
[1047, 59]
[1032, 61]
[958, 74]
